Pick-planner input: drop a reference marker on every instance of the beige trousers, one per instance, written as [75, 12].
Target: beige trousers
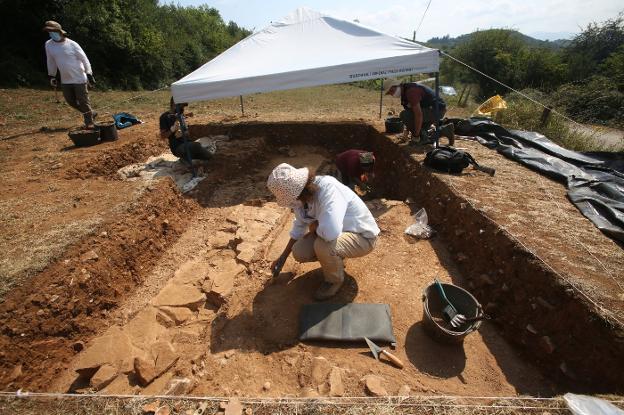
[330, 254]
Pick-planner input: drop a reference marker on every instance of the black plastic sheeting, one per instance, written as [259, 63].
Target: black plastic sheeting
[595, 180]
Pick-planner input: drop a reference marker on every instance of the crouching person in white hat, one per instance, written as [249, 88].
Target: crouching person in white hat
[331, 223]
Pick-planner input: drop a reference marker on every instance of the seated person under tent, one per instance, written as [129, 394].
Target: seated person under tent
[183, 148]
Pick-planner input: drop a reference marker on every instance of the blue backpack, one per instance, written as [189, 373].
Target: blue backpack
[124, 120]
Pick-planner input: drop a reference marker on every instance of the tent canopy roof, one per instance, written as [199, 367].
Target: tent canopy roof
[304, 49]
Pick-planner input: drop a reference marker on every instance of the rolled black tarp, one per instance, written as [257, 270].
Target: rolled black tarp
[595, 180]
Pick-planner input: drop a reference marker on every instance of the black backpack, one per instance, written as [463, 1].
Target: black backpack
[452, 160]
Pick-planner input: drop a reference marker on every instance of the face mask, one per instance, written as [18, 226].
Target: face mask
[55, 36]
[397, 92]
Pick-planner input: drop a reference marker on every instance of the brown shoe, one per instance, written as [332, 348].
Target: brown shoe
[327, 290]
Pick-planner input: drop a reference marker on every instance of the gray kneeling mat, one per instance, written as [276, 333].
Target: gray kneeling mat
[346, 322]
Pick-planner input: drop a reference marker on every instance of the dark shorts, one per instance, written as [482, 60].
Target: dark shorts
[407, 116]
[194, 149]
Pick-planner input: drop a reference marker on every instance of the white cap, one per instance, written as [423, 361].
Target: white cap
[389, 83]
[287, 182]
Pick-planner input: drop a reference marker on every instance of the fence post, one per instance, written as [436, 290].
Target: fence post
[466, 97]
[461, 95]
[545, 116]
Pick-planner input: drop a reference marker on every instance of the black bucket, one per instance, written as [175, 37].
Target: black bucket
[108, 131]
[85, 138]
[434, 323]
[394, 125]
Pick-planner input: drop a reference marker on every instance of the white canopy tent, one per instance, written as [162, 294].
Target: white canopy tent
[305, 49]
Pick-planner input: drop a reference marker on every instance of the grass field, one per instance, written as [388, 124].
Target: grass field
[27, 110]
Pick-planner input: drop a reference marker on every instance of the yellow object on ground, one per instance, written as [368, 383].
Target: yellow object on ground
[490, 107]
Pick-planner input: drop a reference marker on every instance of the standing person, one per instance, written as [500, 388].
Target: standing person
[418, 115]
[338, 223]
[170, 129]
[355, 166]
[66, 56]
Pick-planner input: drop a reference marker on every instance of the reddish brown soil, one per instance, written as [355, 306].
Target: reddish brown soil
[550, 282]
[71, 298]
[43, 319]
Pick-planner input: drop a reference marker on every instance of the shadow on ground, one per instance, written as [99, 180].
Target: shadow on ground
[273, 324]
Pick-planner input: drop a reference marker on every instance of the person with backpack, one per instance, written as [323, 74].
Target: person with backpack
[418, 115]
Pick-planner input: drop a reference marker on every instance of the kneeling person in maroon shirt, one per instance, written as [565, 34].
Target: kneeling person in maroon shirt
[355, 166]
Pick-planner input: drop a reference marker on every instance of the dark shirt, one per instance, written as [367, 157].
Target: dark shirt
[348, 163]
[413, 94]
[167, 120]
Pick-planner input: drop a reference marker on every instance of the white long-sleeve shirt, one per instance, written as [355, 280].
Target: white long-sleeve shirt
[337, 209]
[69, 58]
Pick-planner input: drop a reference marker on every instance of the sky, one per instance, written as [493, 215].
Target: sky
[545, 19]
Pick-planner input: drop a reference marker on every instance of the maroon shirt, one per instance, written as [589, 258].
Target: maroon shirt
[349, 163]
[414, 96]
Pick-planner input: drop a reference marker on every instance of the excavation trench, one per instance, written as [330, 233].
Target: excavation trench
[534, 307]
[200, 315]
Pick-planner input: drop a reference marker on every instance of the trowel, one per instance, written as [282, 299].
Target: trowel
[376, 350]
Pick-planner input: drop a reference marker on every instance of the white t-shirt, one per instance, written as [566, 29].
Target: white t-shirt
[338, 209]
[69, 58]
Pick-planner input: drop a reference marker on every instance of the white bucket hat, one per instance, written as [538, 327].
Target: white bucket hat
[287, 182]
[389, 83]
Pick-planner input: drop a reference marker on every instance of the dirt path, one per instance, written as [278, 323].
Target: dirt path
[610, 137]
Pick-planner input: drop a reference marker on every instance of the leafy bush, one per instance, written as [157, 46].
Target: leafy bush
[507, 57]
[592, 47]
[596, 100]
[585, 77]
[523, 114]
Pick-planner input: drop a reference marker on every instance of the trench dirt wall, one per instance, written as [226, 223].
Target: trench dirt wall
[533, 306]
[47, 322]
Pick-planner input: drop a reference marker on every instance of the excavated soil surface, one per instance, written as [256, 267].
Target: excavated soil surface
[171, 294]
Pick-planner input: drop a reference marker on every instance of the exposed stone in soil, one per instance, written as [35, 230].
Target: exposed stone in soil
[224, 301]
[374, 386]
[77, 296]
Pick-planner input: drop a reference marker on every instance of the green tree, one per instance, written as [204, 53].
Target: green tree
[593, 46]
[132, 44]
[613, 67]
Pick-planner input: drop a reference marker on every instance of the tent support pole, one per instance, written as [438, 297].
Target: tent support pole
[436, 107]
[241, 105]
[380, 97]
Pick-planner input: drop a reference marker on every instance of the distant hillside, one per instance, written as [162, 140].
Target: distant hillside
[447, 42]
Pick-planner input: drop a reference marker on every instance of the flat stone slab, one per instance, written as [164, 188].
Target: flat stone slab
[222, 276]
[103, 377]
[180, 295]
[178, 315]
[191, 272]
[145, 328]
[114, 349]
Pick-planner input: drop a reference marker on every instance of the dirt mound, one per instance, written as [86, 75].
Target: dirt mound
[44, 323]
[107, 163]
